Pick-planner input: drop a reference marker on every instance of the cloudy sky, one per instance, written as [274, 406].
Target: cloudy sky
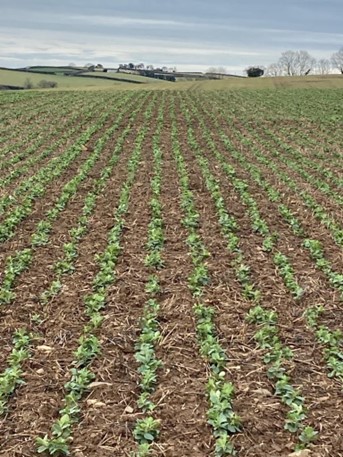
[189, 34]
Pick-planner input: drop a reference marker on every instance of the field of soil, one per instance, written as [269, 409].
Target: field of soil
[171, 273]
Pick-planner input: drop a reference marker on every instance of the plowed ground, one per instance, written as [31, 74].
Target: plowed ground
[109, 410]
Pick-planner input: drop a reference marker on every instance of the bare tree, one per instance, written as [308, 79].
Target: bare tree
[304, 63]
[292, 63]
[287, 62]
[337, 60]
[221, 70]
[275, 69]
[28, 84]
[323, 67]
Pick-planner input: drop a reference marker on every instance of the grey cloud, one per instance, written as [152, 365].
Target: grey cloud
[192, 33]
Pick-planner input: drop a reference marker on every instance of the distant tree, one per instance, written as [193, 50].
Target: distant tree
[323, 67]
[337, 60]
[140, 66]
[304, 63]
[221, 70]
[131, 66]
[292, 63]
[28, 84]
[150, 67]
[44, 84]
[99, 66]
[72, 65]
[254, 72]
[165, 69]
[122, 66]
[287, 62]
[275, 69]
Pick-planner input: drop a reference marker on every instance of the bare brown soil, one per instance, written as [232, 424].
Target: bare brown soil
[109, 411]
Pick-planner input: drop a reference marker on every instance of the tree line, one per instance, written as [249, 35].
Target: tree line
[300, 63]
[142, 66]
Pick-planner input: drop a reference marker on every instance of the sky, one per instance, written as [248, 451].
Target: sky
[192, 35]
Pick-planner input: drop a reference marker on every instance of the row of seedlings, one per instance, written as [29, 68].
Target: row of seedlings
[25, 148]
[12, 377]
[23, 187]
[287, 148]
[318, 210]
[24, 112]
[66, 264]
[147, 428]
[89, 347]
[300, 158]
[275, 152]
[221, 415]
[23, 125]
[62, 134]
[35, 186]
[326, 140]
[21, 260]
[332, 341]
[266, 336]
[259, 225]
[314, 246]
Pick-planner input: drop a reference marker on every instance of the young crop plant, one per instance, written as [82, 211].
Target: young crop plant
[63, 133]
[220, 415]
[267, 338]
[41, 236]
[36, 184]
[270, 239]
[331, 340]
[318, 211]
[12, 377]
[318, 255]
[89, 345]
[287, 273]
[15, 265]
[294, 165]
[267, 335]
[147, 429]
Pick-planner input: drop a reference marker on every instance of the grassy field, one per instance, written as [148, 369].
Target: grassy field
[125, 76]
[171, 272]
[18, 78]
[329, 81]
[53, 70]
